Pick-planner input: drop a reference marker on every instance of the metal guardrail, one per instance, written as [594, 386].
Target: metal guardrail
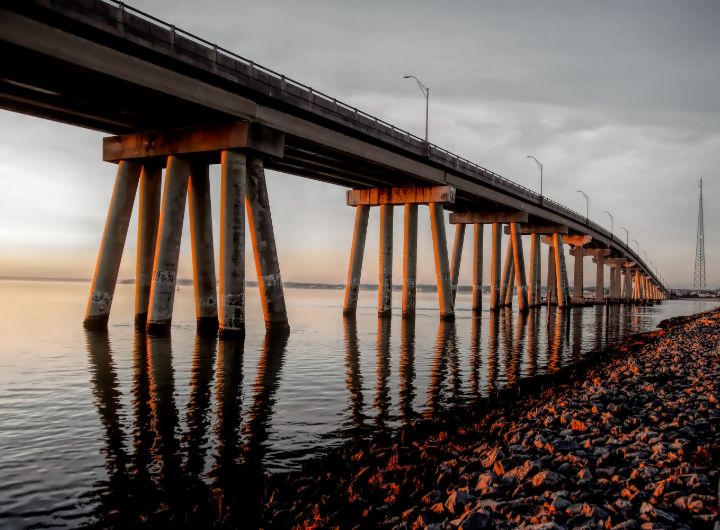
[322, 103]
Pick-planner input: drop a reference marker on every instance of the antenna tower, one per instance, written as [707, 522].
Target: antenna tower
[699, 276]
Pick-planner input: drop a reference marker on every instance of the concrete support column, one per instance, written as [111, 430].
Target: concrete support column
[613, 284]
[600, 280]
[385, 261]
[352, 286]
[551, 276]
[509, 285]
[506, 281]
[564, 275]
[410, 260]
[455, 261]
[534, 277]
[617, 271]
[148, 214]
[522, 293]
[233, 186]
[578, 297]
[442, 269]
[167, 247]
[477, 267]
[627, 291]
[111, 247]
[262, 236]
[635, 287]
[495, 250]
[203, 253]
[560, 270]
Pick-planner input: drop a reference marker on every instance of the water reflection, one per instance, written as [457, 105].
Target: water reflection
[353, 376]
[206, 460]
[165, 481]
[407, 369]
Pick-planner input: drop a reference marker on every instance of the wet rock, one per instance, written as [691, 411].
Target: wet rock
[457, 500]
[547, 479]
[475, 520]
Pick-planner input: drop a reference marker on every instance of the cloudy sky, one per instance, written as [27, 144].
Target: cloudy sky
[618, 99]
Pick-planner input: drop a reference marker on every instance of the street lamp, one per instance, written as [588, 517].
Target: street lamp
[541, 170]
[426, 92]
[587, 204]
[612, 223]
[627, 235]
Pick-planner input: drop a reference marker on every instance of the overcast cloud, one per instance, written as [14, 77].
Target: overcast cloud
[620, 99]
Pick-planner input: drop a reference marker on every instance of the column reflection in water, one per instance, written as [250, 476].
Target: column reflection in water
[576, 342]
[493, 347]
[164, 420]
[267, 380]
[506, 336]
[112, 500]
[382, 391]
[446, 330]
[353, 376]
[195, 439]
[475, 358]
[555, 338]
[143, 435]
[518, 349]
[533, 342]
[598, 326]
[407, 369]
[228, 394]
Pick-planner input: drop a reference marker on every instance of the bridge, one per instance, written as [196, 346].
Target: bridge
[175, 102]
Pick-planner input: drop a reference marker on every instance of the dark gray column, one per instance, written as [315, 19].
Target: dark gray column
[148, 218]
[111, 247]
[263, 240]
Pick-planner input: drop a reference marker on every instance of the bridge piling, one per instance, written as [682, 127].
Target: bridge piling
[456, 257]
[560, 271]
[203, 253]
[410, 261]
[522, 293]
[167, 247]
[352, 287]
[627, 289]
[534, 276]
[495, 267]
[108, 262]
[233, 185]
[148, 216]
[509, 286]
[442, 268]
[385, 261]
[262, 236]
[477, 267]
[551, 279]
[508, 269]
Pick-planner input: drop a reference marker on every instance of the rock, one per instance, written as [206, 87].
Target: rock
[521, 472]
[475, 520]
[457, 501]
[547, 479]
[432, 497]
[485, 482]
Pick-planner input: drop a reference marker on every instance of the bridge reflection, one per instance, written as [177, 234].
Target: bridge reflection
[202, 456]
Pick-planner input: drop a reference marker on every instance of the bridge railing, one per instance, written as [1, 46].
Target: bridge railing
[155, 30]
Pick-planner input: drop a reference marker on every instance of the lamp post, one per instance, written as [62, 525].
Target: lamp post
[612, 223]
[541, 172]
[587, 204]
[426, 92]
[627, 236]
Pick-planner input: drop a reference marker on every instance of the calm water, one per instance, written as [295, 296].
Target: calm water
[94, 426]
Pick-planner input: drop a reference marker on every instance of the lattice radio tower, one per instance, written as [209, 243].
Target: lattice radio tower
[699, 276]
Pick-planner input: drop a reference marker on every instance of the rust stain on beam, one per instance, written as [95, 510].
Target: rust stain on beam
[401, 195]
[506, 216]
[240, 135]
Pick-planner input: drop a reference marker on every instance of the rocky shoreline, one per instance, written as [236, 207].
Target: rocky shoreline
[629, 441]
